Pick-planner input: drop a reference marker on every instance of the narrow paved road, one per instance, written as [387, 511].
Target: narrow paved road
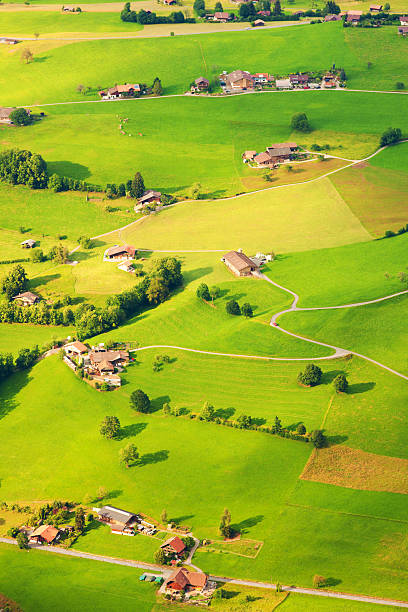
[165, 572]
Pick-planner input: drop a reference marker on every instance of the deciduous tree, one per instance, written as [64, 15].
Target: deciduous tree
[110, 427]
[128, 454]
[140, 401]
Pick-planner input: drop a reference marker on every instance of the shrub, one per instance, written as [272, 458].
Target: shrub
[318, 438]
[301, 429]
[390, 136]
[203, 292]
[340, 383]
[311, 376]
[319, 581]
[300, 123]
[232, 307]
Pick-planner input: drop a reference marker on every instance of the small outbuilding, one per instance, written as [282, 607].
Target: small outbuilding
[376, 8]
[75, 348]
[150, 197]
[28, 244]
[283, 84]
[258, 23]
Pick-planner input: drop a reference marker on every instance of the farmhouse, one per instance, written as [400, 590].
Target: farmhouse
[239, 79]
[8, 41]
[5, 115]
[46, 534]
[169, 2]
[173, 545]
[27, 298]
[283, 84]
[222, 16]
[332, 18]
[76, 348]
[281, 151]
[184, 580]
[354, 17]
[28, 244]
[200, 84]
[263, 159]
[107, 361]
[299, 79]
[116, 517]
[403, 30]
[120, 91]
[239, 263]
[117, 253]
[150, 197]
[329, 80]
[404, 21]
[376, 8]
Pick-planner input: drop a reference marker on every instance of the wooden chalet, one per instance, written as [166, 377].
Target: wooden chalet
[173, 545]
[46, 534]
[239, 79]
[118, 253]
[184, 580]
[120, 91]
[27, 298]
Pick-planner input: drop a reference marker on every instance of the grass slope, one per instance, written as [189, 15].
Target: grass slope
[378, 331]
[342, 275]
[18, 336]
[299, 217]
[48, 22]
[106, 62]
[84, 140]
[77, 584]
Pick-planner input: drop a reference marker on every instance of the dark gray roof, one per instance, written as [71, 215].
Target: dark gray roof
[116, 514]
[279, 152]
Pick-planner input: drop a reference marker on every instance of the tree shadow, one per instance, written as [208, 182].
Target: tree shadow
[41, 59]
[193, 275]
[293, 426]
[130, 431]
[229, 594]
[237, 296]
[334, 440]
[113, 494]
[179, 520]
[92, 526]
[151, 458]
[9, 389]
[43, 280]
[332, 582]
[328, 377]
[224, 413]
[69, 169]
[360, 388]
[158, 403]
[213, 195]
[243, 526]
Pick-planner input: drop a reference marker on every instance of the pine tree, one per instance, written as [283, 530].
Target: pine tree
[138, 186]
[157, 88]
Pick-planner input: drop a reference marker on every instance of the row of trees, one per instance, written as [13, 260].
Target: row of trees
[233, 308]
[26, 168]
[26, 357]
[164, 276]
[148, 18]
[312, 376]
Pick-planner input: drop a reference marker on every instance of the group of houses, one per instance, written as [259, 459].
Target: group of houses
[242, 265]
[403, 28]
[274, 155]
[8, 41]
[98, 363]
[242, 80]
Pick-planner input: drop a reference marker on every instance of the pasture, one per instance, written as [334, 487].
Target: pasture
[342, 275]
[105, 62]
[378, 331]
[229, 478]
[208, 150]
[76, 583]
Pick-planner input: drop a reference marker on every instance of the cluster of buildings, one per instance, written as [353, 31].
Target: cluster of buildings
[403, 28]
[98, 363]
[8, 41]
[242, 80]
[128, 90]
[275, 154]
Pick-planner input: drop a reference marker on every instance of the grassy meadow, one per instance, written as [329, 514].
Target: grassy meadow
[77, 584]
[107, 62]
[378, 331]
[84, 141]
[349, 274]
[258, 484]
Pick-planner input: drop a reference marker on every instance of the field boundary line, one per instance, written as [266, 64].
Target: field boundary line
[323, 423]
[342, 512]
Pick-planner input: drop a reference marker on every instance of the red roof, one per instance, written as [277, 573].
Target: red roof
[175, 543]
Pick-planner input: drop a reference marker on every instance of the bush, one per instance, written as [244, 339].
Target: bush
[340, 383]
[390, 136]
[203, 292]
[301, 429]
[318, 438]
[140, 401]
[232, 307]
[399, 85]
[311, 376]
[246, 310]
[300, 123]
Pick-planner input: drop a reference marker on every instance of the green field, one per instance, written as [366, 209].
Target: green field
[76, 584]
[353, 273]
[378, 331]
[107, 62]
[48, 22]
